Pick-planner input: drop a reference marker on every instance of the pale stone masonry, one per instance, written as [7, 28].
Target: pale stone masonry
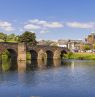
[21, 52]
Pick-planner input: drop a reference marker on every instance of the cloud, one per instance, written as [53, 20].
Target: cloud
[44, 31]
[42, 25]
[47, 24]
[6, 26]
[31, 27]
[54, 25]
[80, 25]
[39, 24]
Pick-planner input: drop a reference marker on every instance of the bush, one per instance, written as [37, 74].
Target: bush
[68, 55]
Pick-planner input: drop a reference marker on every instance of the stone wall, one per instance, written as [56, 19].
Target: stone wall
[21, 52]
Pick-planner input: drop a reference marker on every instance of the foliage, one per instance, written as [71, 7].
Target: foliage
[12, 38]
[28, 37]
[3, 36]
[87, 47]
[81, 56]
[28, 56]
[68, 55]
[6, 54]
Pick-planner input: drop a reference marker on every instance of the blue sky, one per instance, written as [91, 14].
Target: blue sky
[49, 19]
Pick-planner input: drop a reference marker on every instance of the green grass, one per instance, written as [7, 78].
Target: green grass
[80, 56]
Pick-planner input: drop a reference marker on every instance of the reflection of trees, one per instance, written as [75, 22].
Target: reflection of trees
[9, 65]
[66, 63]
[6, 65]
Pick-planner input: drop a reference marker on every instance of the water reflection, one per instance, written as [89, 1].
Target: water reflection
[72, 65]
[8, 64]
[57, 62]
[0, 66]
[41, 64]
[29, 65]
[57, 80]
[21, 66]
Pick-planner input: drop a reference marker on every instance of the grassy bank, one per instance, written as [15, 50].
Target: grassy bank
[80, 56]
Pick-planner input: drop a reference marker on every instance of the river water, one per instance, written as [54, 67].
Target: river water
[66, 78]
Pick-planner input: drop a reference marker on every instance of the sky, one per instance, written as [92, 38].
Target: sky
[49, 19]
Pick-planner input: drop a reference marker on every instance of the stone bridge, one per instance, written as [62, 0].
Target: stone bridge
[18, 51]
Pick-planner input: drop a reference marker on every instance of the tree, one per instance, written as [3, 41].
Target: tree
[3, 36]
[28, 37]
[87, 47]
[11, 37]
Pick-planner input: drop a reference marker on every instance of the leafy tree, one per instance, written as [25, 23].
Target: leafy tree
[3, 36]
[87, 47]
[11, 37]
[28, 37]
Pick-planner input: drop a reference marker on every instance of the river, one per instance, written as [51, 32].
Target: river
[66, 78]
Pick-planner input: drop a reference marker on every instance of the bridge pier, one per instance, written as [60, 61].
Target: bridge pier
[21, 52]
[57, 55]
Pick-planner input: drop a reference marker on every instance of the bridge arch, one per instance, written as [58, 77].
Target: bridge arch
[34, 54]
[11, 61]
[62, 53]
[58, 54]
[12, 54]
[49, 54]
[42, 55]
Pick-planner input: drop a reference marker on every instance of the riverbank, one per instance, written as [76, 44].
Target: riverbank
[80, 56]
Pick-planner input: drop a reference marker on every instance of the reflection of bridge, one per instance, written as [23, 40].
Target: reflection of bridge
[18, 51]
[22, 66]
[37, 64]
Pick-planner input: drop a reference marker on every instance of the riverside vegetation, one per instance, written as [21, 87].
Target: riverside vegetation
[80, 56]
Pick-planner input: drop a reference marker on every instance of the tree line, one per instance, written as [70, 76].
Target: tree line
[27, 37]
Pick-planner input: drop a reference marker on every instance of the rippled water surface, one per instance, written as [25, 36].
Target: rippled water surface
[66, 78]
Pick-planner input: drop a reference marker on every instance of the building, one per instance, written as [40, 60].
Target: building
[47, 42]
[72, 45]
[90, 38]
[62, 43]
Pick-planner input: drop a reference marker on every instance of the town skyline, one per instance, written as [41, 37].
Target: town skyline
[50, 20]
